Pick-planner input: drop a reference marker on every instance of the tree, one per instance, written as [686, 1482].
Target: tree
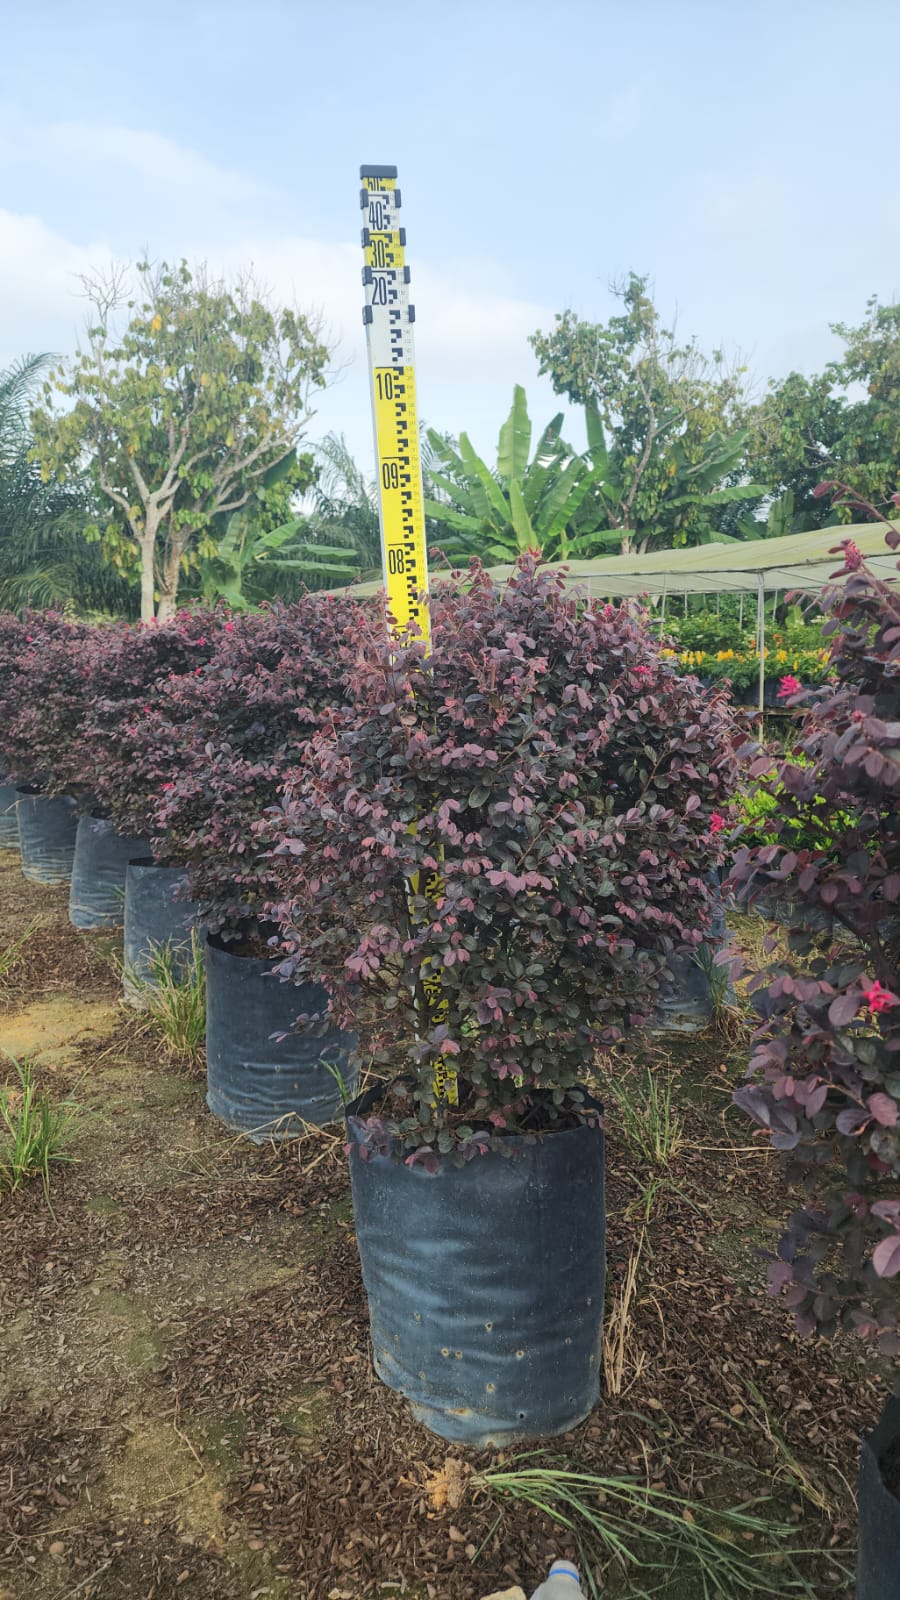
[345, 507]
[843, 423]
[180, 414]
[519, 505]
[44, 560]
[794, 439]
[661, 421]
[262, 551]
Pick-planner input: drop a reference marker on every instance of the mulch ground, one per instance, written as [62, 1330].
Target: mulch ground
[187, 1403]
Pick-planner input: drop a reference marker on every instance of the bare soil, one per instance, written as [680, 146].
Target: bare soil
[187, 1404]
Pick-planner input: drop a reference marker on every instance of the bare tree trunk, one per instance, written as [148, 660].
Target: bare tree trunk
[147, 582]
[168, 584]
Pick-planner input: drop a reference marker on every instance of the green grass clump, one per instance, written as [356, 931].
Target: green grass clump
[33, 1131]
[649, 1123]
[655, 1535]
[173, 999]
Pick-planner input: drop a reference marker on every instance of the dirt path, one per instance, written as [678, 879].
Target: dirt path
[186, 1401]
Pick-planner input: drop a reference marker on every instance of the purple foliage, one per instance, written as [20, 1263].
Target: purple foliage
[560, 777]
[230, 733]
[825, 1075]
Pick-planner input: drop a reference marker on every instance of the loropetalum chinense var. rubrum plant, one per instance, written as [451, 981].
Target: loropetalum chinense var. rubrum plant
[75, 684]
[561, 779]
[825, 1074]
[234, 730]
[131, 667]
[43, 703]
[12, 630]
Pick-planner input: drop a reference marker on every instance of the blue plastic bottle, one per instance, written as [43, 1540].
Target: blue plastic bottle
[562, 1583]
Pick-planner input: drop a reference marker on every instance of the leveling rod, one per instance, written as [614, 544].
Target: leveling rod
[389, 318]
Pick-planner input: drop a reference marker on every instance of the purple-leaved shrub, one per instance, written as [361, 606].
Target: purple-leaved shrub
[559, 778]
[825, 1075]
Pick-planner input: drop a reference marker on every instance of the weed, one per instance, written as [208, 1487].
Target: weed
[651, 1127]
[623, 1362]
[651, 1532]
[729, 1012]
[11, 955]
[337, 1075]
[33, 1131]
[173, 999]
[789, 1468]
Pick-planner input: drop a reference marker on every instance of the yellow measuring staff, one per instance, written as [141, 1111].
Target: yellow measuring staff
[389, 319]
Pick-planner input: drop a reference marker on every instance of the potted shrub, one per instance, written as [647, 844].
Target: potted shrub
[275, 676]
[548, 779]
[126, 665]
[825, 1076]
[41, 707]
[12, 631]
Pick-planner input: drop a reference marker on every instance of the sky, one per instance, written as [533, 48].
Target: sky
[742, 153]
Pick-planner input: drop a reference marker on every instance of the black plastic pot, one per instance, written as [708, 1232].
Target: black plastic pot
[9, 826]
[878, 1564]
[768, 903]
[257, 1084]
[485, 1282]
[154, 918]
[97, 895]
[47, 828]
[687, 1003]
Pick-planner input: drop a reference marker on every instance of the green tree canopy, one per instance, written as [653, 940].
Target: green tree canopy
[662, 421]
[843, 423]
[44, 560]
[179, 414]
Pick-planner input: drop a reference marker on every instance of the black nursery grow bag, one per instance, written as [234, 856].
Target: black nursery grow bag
[686, 1003]
[97, 895]
[9, 826]
[156, 918]
[485, 1281]
[261, 1085]
[878, 1567]
[47, 828]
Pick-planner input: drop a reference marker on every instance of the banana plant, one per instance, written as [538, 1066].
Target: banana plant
[244, 554]
[521, 504]
[245, 557]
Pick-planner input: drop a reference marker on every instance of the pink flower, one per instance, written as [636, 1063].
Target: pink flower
[716, 822]
[643, 672]
[789, 685]
[168, 786]
[878, 999]
[853, 556]
[229, 627]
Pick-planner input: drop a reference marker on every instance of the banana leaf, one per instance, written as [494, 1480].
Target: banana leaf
[495, 502]
[525, 535]
[515, 441]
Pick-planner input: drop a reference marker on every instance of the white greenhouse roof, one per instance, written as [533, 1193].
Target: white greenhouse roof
[797, 561]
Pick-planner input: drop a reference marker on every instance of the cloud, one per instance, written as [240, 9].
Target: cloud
[153, 157]
[464, 333]
[471, 340]
[40, 305]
